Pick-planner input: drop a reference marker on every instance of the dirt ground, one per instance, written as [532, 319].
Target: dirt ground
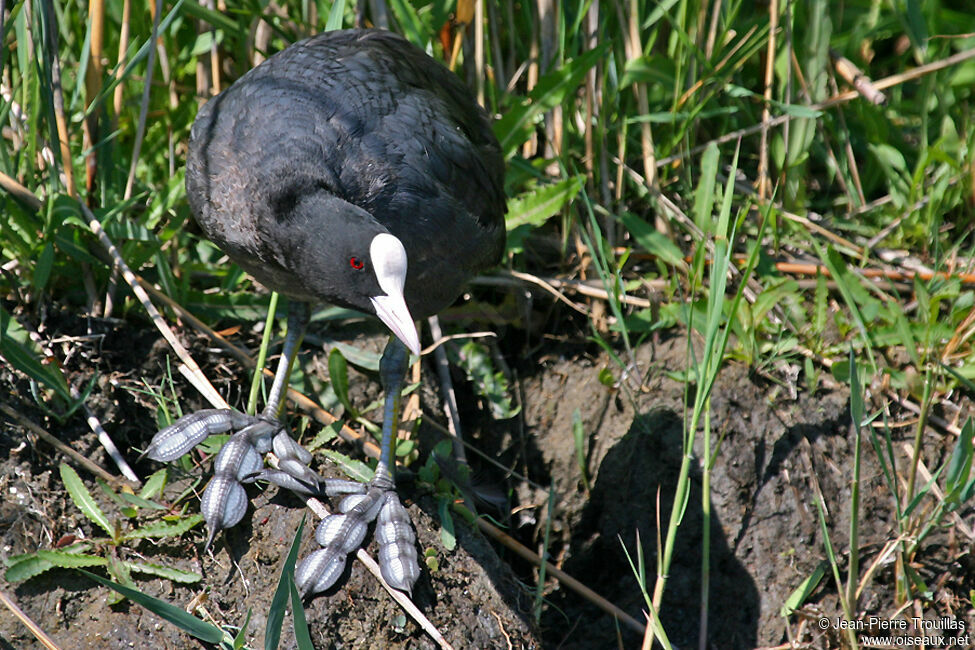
[779, 451]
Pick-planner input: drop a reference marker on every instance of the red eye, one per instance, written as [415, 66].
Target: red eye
[356, 263]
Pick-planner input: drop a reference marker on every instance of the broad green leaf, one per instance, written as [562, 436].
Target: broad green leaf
[960, 463]
[42, 271]
[354, 469]
[536, 206]
[651, 68]
[651, 241]
[83, 499]
[475, 359]
[911, 15]
[358, 357]
[26, 567]
[120, 573]
[773, 295]
[205, 41]
[169, 573]
[164, 529]
[154, 485]
[323, 437]
[67, 560]
[447, 536]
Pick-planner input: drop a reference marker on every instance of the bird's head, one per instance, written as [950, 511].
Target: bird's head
[350, 259]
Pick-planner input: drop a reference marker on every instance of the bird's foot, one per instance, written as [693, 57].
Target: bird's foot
[190, 430]
[342, 533]
[239, 461]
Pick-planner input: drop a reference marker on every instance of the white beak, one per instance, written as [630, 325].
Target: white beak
[389, 262]
[393, 311]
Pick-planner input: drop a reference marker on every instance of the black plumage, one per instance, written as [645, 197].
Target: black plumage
[334, 139]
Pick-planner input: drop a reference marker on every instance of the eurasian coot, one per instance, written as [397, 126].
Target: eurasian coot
[352, 169]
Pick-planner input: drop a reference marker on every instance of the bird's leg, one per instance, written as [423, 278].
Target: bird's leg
[224, 501]
[298, 317]
[293, 472]
[342, 533]
[394, 532]
[392, 372]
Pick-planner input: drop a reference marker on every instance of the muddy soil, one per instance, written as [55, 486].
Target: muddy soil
[779, 451]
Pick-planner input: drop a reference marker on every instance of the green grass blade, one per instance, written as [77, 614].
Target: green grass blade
[139, 502]
[302, 635]
[799, 595]
[704, 195]
[217, 19]
[640, 573]
[241, 639]
[275, 615]
[338, 373]
[856, 413]
[175, 615]
[652, 240]
[410, 21]
[850, 289]
[258, 378]
[335, 16]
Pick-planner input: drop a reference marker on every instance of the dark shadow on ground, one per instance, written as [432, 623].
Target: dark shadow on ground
[623, 504]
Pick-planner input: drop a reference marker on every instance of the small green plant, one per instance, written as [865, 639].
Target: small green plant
[447, 489]
[286, 592]
[112, 550]
[491, 385]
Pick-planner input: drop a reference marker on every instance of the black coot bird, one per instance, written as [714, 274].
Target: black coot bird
[353, 169]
